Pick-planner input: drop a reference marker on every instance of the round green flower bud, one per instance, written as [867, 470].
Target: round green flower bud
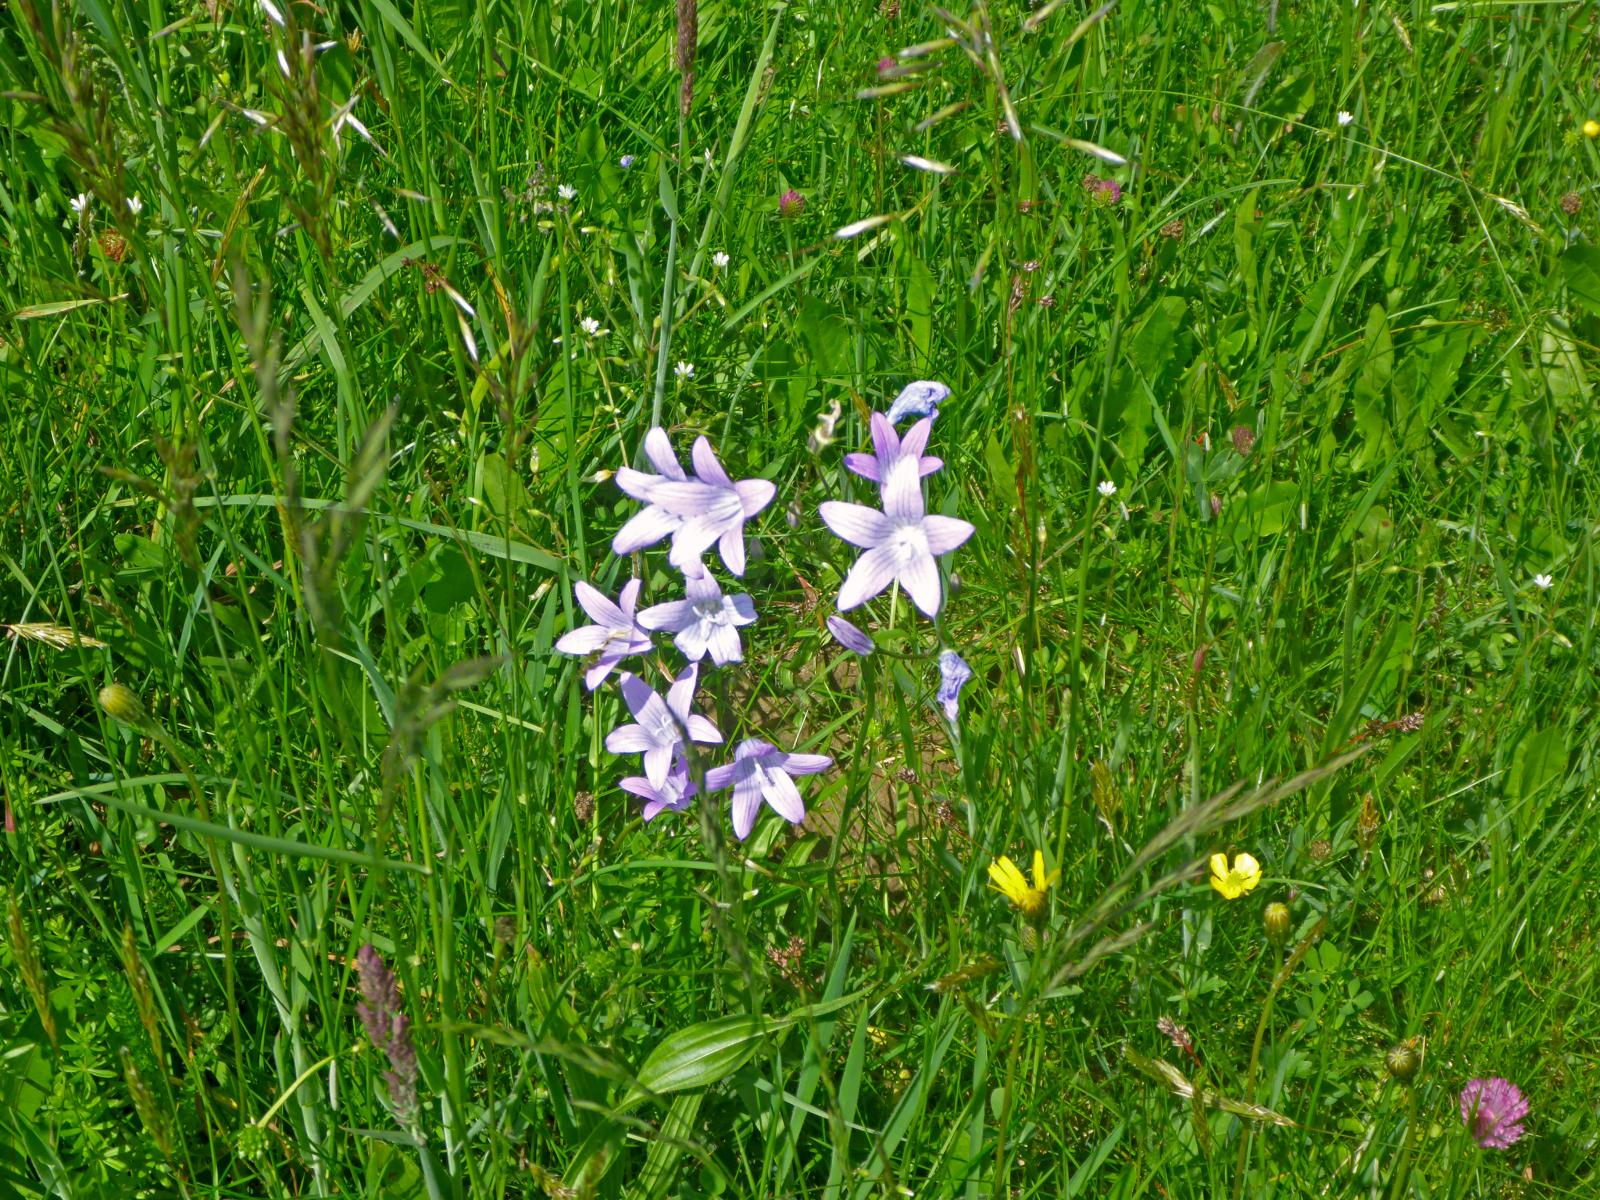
[1277, 923]
[1402, 1062]
[122, 704]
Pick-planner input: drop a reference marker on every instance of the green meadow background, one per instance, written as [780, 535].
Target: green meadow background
[306, 447]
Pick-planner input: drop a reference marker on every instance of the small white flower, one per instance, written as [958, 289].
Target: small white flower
[1107, 488]
[80, 203]
[1345, 117]
[135, 205]
[567, 192]
[1542, 582]
[590, 326]
[684, 370]
[720, 259]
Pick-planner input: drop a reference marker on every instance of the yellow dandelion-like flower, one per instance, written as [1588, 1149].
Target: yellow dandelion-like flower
[1591, 128]
[1007, 879]
[1236, 880]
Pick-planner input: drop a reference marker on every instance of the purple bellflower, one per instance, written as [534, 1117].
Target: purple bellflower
[901, 543]
[848, 636]
[652, 523]
[760, 771]
[614, 636]
[919, 399]
[673, 795]
[661, 725]
[710, 507]
[889, 449]
[953, 675]
[1493, 1109]
[705, 622]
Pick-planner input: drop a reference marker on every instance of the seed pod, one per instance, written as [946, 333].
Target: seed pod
[122, 704]
[1402, 1062]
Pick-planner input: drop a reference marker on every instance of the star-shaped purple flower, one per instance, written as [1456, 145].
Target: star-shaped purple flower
[673, 795]
[919, 399]
[652, 523]
[1493, 1109]
[889, 449]
[760, 771]
[901, 542]
[614, 636]
[953, 675]
[707, 621]
[661, 726]
[713, 508]
[848, 636]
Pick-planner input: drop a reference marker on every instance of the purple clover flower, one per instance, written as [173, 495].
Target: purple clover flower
[760, 771]
[388, 1028]
[614, 636]
[673, 795]
[919, 399]
[660, 726]
[953, 675]
[707, 621]
[889, 449]
[710, 507]
[848, 636]
[1493, 1109]
[791, 204]
[901, 543]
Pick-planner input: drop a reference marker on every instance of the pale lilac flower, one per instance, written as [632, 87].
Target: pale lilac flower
[711, 508]
[625, 161]
[848, 636]
[673, 795]
[614, 636]
[1107, 488]
[889, 449]
[706, 621]
[1493, 1109]
[901, 543]
[919, 399]
[649, 526]
[953, 675]
[388, 1028]
[661, 725]
[760, 771]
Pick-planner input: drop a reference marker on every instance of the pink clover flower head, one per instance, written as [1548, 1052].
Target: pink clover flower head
[760, 771]
[848, 636]
[886, 64]
[901, 543]
[919, 399]
[1104, 192]
[791, 204]
[953, 676]
[660, 725]
[696, 511]
[1493, 1109]
[614, 636]
[889, 449]
[705, 621]
[672, 796]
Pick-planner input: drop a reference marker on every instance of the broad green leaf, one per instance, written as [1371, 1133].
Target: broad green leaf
[1581, 267]
[1540, 759]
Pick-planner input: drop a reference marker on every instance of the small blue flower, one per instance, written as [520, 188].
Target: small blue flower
[673, 795]
[760, 771]
[953, 675]
[888, 449]
[660, 725]
[625, 161]
[848, 636]
[919, 399]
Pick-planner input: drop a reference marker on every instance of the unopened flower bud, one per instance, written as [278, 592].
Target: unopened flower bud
[122, 704]
[1402, 1062]
[1276, 922]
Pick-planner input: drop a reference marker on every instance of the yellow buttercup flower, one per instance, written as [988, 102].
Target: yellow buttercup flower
[1236, 880]
[1591, 128]
[1007, 879]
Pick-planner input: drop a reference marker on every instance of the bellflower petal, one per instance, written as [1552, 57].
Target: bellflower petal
[855, 523]
[919, 399]
[760, 771]
[848, 636]
[705, 621]
[614, 636]
[953, 675]
[660, 726]
[889, 450]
